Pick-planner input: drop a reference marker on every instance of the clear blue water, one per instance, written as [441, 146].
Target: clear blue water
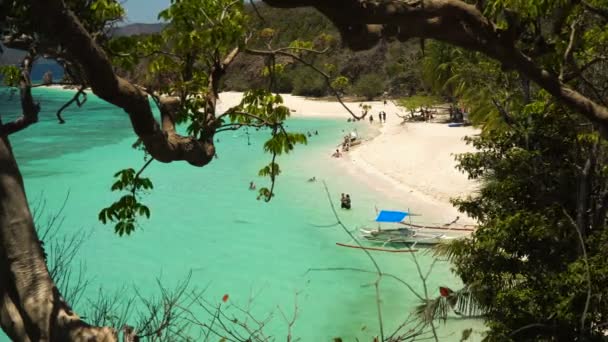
[206, 221]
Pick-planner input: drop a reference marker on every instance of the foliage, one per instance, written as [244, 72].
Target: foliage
[96, 16]
[262, 108]
[340, 84]
[186, 55]
[542, 174]
[125, 211]
[526, 255]
[10, 75]
[419, 101]
[307, 83]
[369, 86]
[475, 80]
[312, 26]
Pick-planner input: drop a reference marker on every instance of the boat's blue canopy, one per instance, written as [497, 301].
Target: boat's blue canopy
[391, 216]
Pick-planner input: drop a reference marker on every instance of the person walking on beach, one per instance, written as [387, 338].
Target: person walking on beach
[371, 119]
[251, 185]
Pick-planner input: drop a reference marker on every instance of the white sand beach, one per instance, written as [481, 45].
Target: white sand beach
[412, 163]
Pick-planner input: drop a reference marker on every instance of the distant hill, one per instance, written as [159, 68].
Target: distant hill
[137, 29]
[393, 62]
[10, 56]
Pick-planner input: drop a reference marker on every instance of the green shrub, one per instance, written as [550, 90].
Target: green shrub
[369, 86]
[308, 83]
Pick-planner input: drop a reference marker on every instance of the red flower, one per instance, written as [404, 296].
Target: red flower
[225, 298]
[444, 291]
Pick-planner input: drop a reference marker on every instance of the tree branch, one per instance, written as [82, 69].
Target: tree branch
[56, 19]
[362, 23]
[29, 107]
[602, 12]
[75, 98]
[284, 52]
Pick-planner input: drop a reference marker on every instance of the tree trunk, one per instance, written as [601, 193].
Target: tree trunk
[31, 308]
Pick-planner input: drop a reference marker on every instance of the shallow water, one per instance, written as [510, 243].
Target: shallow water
[205, 221]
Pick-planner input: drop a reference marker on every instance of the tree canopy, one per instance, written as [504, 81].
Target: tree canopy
[533, 72]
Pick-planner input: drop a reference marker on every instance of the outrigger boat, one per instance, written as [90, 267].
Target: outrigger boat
[350, 140]
[411, 235]
[405, 236]
[449, 227]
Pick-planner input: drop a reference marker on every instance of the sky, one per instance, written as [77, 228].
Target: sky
[144, 11]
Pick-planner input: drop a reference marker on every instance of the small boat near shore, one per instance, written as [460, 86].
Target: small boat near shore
[404, 236]
[448, 227]
[412, 234]
[350, 140]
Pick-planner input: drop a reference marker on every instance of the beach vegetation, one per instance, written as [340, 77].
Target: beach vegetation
[532, 75]
[537, 256]
[185, 65]
[369, 86]
[417, 102]
[536, 267]
[306, 83]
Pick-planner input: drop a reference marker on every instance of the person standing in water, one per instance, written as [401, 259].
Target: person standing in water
[345, 201]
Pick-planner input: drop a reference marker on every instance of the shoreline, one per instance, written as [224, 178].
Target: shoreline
[375, 172]
[413, 164]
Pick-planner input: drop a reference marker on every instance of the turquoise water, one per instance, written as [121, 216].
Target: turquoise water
[206, 221]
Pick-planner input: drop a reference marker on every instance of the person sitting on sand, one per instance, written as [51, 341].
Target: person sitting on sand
[337, 154]
[313, 179]
[251, 185]
[308, 134]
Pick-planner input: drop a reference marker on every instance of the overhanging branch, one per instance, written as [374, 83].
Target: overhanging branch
[29, 107]
[286, 52]
[362, 23]
[55, 19]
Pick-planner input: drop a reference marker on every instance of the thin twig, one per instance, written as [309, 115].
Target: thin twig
[369, 255]
[587, 271]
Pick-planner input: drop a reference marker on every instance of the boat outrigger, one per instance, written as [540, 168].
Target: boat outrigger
[405, 236]
[411, 235]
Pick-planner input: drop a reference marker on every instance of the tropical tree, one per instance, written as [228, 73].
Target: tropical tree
[534, 74]
[369, 86]
[536, 265]
[191, 56]
[541, 40]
